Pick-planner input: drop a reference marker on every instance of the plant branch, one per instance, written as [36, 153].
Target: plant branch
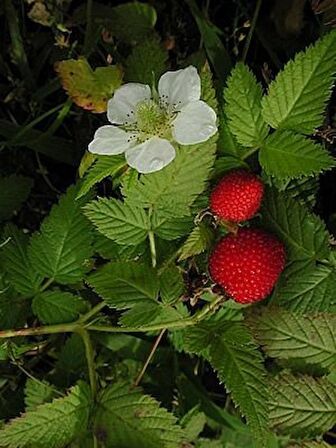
[46, 284]
[95, 310]
[48, 329]
[81, 324]
[151, 238]
[90, 356]
[150, 357]
[152, 247]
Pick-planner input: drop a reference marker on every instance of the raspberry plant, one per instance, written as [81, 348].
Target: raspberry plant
[114, 289]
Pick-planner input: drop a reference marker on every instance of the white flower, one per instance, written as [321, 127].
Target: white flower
[143, 124]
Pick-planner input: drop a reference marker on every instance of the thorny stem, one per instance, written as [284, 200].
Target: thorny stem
[80, 324]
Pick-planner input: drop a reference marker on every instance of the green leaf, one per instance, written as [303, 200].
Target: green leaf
[133, 21]
[225, 164]
[151, 313]
[211, 36]
[310, 444]
[296, 99]
[232, 353]
[197, 242]
[71, 360]
[103, 167]
[20, 271]
[171, 284]
[302, 406]
[193, 423]
[170, 228]
[175, 188]
[128, 419]
[208, 443]
[14, 191]
[311, 289]
[118, 220]
[303, 233]
[286, 155]
[56, 307]
[147, 62]
[227, 142]
[110, 250]
[86, 163]
[243, 107]
[208, 93]
[13, 310]
[57, 148]
[37, 393]
[62, 247]
[130, 22]
[123, 285]
[286, 335]
[9, 350]
[303, 190]
[53, 424]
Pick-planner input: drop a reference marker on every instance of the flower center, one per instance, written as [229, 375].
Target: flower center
[152, 119]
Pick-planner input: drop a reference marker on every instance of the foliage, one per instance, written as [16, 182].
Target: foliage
[63, 245]
[104, 283]
[302, 405]
[54, 424]
[14, 191]
[87, 88]
[127, 418]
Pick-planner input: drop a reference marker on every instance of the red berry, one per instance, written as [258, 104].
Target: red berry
[237, 197]
[247, 265]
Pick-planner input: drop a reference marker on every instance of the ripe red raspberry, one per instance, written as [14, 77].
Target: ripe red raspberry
[247, 265]
[237, 197]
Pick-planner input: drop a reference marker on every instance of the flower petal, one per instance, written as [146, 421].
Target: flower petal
[178, 88]
[121, 107]
[152, 155]
[110, 140]
[195, 123]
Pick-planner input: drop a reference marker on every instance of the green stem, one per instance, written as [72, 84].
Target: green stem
[251, 31]
[46, 284]
[48, 329]
[169, 325]
[149, 358]
[80, 324]
[249, 153]
[208, 309]
[152, 247]
[151, 238]
[90, 356]
[95, 310]
[18, 136]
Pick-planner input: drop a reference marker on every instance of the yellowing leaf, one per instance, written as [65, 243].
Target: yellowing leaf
[89, 89]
